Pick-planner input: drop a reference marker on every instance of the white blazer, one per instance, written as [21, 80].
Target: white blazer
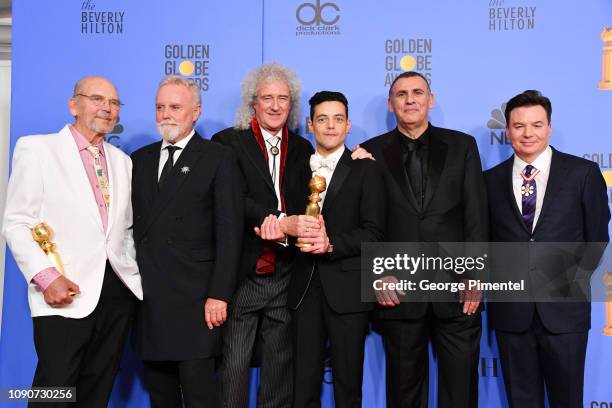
[49, 184]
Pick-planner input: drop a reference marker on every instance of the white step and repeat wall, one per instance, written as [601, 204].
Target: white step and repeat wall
[477, 55]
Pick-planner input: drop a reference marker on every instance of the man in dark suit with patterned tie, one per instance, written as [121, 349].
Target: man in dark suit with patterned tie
[543, 195]
[188, 230]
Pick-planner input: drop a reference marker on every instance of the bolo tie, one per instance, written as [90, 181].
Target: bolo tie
[274, 151]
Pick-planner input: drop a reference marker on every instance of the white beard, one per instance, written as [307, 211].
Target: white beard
[169, 131]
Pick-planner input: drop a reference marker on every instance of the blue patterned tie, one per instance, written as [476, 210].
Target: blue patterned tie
[529, 194]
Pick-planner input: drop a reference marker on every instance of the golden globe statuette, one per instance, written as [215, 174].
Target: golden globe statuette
[42, 233]
[606, 60]
[607, 331]
[317, 185]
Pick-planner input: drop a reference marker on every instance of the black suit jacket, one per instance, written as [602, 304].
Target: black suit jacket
[354, 212]
[575, 209]
[188, 236]
[455, 208]
[258, 189]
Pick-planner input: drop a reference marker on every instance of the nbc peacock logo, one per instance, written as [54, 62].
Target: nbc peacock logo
[497, 126]
[114, 136]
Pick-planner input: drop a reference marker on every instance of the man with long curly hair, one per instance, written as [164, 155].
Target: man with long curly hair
[275, 174]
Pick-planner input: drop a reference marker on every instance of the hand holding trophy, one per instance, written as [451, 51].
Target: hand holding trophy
[317, 185]
[42, 233]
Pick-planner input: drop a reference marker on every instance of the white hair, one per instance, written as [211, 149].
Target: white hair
[186, 82]
[266, 74]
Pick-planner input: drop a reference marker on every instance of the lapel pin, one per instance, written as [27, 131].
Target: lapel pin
[185, 170]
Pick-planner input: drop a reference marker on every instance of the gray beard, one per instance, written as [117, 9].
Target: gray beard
[101, 129]
[169, 133]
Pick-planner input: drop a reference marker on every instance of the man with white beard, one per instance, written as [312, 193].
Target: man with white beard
[188, 214]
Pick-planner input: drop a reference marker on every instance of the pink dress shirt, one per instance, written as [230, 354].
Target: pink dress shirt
[45, 277]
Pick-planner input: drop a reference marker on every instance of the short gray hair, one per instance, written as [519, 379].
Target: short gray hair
[264, 75]
[186, 82]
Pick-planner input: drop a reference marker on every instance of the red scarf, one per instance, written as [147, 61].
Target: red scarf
[266, 263]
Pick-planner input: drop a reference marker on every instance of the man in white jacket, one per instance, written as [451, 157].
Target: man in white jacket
[78, 185]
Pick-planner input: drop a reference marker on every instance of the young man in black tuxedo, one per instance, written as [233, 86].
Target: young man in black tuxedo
[543, 195]
[325, 288]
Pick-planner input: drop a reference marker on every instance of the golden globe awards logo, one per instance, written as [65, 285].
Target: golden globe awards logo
[407, 54]
[189, 60]
[316, 19]
[503, 18]
[94, 21]
[604, 160]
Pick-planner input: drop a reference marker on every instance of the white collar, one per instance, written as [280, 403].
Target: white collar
[267, 135]
[181, 143]
[332, 157]
[542, 162]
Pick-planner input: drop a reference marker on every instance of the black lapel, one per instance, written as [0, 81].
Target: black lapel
[509, 189]
[292, 163]
[180, 172]
[342, 170]
[437, 158]
[556, 175]
[393, 157]
[150, 171]
[256, 156]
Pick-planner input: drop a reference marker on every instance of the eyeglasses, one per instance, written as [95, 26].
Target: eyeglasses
[100, 101]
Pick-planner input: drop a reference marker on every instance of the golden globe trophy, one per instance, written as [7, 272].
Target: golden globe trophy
[317, 185]
[606, 60]
[607, 331]
[42, 233]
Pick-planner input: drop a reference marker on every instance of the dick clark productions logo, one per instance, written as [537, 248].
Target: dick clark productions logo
[317, 19]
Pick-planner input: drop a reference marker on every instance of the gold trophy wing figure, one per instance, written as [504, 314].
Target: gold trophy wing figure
[42, 233]
[317, 185]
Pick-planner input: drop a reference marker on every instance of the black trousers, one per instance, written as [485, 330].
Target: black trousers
[170, 383]
[259, 305]
[456, 342]
[537, 358]
[85, 353]
[314, 322]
